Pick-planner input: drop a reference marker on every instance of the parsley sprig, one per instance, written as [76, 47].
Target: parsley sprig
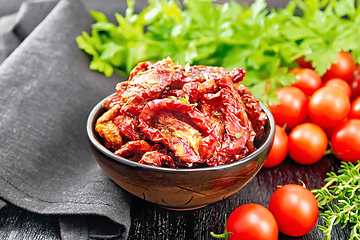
[325, 28]
[263, 41]
[340, 200]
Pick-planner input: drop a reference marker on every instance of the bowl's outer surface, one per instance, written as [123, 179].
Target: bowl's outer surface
[178, 189]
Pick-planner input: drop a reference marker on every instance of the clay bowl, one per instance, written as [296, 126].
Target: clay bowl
[179, 189]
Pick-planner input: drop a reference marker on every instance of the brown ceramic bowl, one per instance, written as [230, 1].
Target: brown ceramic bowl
[179, 189]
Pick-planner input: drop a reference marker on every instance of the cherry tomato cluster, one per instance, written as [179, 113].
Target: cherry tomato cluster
[318, 110]
[293, 210]
[316, 115]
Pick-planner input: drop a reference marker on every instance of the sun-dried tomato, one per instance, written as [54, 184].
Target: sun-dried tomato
[111, 135]
[253, 109]
[156, 159]
[109, 115]
[146, 82]
[238, 131]
[128, 127]
[193, 90]
[112, 101]
[237, 75]
[171, 115]
[133, 148]
[159, 124]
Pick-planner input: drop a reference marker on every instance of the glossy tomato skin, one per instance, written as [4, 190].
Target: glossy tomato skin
[308, 80]
[344, 68]
[279, 148]
[330, 130]
[295, 209]
[307, 143]
[345, 141]
[303, 63]
[329, 106]
[355, 84]
[292, 109]
[338, 82]
[252, 222]
[355, 109]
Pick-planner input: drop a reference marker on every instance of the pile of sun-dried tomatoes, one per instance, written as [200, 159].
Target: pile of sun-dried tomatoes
[171, 115]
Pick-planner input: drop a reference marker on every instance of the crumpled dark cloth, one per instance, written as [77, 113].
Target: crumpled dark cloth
[47, 92]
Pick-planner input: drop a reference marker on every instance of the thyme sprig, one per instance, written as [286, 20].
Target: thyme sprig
[340, 200]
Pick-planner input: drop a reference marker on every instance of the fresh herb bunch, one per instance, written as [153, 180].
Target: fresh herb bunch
[340, 200]
[263, 41]
[324, 29]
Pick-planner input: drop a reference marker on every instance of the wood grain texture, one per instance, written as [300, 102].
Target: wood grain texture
[150, 222]
[16, 223]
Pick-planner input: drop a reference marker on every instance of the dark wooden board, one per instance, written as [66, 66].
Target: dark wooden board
[152, 222]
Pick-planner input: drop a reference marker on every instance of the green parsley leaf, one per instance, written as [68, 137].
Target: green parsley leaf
[101, 66]
[98, 16]
[187, 67]
[238, 135]
[152, 81]
[265, 42]
[86, 43]
[185, 100]
[216, 113]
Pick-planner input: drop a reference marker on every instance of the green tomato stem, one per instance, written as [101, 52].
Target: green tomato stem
[329, 151]
[224, 235]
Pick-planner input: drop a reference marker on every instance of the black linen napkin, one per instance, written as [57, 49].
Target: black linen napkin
[31, 14]
[46, 166]
[14, 28]
[8, 40]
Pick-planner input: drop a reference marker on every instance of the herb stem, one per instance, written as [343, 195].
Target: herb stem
[341, 196]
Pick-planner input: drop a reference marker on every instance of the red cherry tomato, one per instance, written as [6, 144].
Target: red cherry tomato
[344, 68]
[330, 130]
[354, 109]
[307, 143]
[355, 84]
[308, 80]
[329, 106]
[279, 148]
[345, 141]
[338, 82]
[252, 222]
[303, 63]
[292, 109]
[295, 209]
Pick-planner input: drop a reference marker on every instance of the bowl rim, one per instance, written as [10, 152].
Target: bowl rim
[91, 135]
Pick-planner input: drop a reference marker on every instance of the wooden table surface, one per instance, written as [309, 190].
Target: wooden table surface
[152, 222]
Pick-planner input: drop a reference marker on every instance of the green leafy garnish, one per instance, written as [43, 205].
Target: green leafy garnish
[152, 81]
[216, 113]
[187, 67]
[185, 100]
[238, 135]
[325, 28]
[340, 200]
[265, 42]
